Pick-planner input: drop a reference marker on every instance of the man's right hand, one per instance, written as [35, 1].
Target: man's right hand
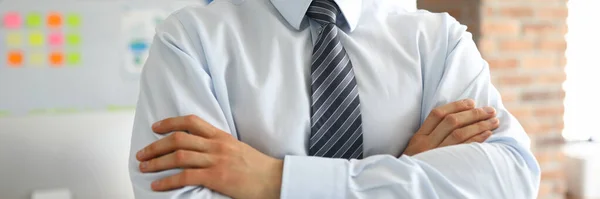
[455, 123]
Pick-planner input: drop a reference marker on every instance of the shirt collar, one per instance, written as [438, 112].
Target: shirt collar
[294, 11]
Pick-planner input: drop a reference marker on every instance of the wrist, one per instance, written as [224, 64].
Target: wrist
[273, 181]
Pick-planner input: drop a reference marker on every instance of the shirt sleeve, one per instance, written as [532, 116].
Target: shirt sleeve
[502, 167]
[174, 82]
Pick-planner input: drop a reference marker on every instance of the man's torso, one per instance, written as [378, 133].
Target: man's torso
[260, 71]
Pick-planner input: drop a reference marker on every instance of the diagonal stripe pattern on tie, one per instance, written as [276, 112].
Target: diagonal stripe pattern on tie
[336, 123]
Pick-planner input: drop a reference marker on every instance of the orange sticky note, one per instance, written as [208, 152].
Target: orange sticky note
[54, 20]
[56, 59]
[15, 59]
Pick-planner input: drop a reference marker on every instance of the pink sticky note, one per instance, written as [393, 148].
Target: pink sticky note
[56, 39]
[12, 20]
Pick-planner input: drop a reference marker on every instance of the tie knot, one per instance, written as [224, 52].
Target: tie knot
[323, 11]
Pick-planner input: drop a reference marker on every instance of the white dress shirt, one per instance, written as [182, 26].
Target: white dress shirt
[243, 66]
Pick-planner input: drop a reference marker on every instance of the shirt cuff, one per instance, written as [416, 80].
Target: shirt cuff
[314, 177]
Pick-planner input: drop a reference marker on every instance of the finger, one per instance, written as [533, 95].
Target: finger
[480, 138]
[178, 159]
[191, 123]
[458, 120]
[176, 141]
[188, 177]
[461, 135]
[438, 114]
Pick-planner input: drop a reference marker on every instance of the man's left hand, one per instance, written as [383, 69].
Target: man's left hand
[210, 158]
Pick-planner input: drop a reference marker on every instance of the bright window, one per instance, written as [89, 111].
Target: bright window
[582, 101]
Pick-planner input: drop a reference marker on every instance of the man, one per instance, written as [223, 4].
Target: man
[322, 99]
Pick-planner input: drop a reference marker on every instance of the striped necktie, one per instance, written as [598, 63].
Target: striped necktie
[336, 124]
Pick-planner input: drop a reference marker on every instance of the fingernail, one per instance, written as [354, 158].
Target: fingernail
[468, 102]
[144, 165]
[489, 110]
[155, 125]
[493, 120]
[155, 184]
[140, 154]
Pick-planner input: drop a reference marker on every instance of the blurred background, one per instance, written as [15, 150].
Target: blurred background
[69, 72]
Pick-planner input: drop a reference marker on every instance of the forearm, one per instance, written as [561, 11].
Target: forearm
[490, 170]
[173, 83]
[142, 136]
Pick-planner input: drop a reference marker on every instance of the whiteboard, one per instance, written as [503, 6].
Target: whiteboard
[79, 56]
[68, 125]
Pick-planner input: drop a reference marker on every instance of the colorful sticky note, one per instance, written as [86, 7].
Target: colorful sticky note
[73, 20]
[74, 58]
[14, 39]
[12, 20]
[54, 20]
[36, 39]
[56, 39]
[15, 59]
[34, 20]
[73, 39]
[36, 59]
[56, 59]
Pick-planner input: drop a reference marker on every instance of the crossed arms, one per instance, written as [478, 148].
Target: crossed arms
[175, 84]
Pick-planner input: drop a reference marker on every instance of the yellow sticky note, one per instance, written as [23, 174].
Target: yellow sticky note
[36, 39]
[14, 40]
[36, 59]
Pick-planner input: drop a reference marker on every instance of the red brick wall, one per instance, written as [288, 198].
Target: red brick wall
[524, 43]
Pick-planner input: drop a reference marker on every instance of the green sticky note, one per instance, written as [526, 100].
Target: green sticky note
[34, 20]
[74, 59]
[73, 20]
[73, 39]
[36, 39]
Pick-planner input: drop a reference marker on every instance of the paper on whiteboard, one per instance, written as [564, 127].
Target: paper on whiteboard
[138, 26]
